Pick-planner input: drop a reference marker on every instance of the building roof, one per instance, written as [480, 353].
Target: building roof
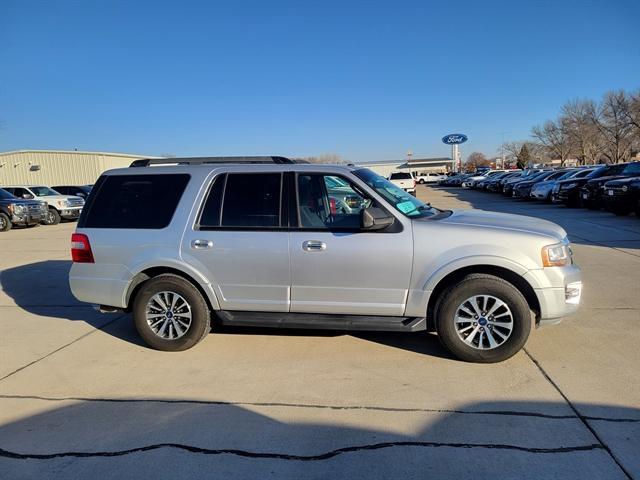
[412, 162]
[76, 152]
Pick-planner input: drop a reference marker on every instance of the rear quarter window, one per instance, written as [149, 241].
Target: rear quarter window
[134, 201]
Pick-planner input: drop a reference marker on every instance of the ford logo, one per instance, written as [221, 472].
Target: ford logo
[454, 138]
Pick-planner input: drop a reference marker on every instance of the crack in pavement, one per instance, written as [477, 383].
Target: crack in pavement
[302, 458]
[319, 406]
[582, 418]
[61, 348]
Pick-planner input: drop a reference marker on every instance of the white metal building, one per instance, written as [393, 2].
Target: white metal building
[415, 165]
[54, 167]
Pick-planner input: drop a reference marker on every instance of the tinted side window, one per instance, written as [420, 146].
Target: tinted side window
[135, 201]
[252, 200]
[210, 216]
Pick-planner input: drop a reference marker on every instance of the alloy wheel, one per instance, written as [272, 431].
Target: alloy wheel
[168, 315]
[483, 322]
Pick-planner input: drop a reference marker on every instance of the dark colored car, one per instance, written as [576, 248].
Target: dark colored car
[591, 192]
[523, 189]
[18, 211]
[82, 191]
[568, 191]
[622, 196]
[507, 187]
[498, 184]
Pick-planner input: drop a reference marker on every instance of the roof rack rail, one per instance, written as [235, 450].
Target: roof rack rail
[145, 162]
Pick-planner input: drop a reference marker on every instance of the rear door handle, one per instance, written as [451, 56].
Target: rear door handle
[201, 244]
[314, 246]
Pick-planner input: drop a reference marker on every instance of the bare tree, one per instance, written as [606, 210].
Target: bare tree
[324, 158]
[633, 111]
[475, 160]
[585, 138]
[554, 137]
[611, 118]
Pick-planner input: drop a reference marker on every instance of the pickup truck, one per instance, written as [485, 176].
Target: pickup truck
[60, 206]
[17, 211]
[404, 180]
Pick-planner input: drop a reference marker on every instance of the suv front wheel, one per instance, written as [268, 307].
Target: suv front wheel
[483, 319]
[170, 314]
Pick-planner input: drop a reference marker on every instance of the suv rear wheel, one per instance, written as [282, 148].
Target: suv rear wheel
[170, 314]
[483, 319]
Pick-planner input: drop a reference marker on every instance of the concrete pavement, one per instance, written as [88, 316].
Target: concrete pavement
[81, 396]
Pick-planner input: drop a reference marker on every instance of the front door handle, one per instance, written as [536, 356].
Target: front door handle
[201, 244]
[313, 246]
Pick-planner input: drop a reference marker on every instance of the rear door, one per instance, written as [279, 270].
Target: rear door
[240, 240]
[335, 266]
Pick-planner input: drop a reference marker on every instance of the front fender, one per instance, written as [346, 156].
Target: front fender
[419, 295]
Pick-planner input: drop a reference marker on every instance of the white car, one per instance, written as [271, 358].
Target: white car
[470, 182]
[404, 180]
[68, 207]
[430, 177]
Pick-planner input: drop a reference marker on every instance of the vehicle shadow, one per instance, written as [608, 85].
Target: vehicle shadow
[586, 227]
[170, 438]
[42, 288]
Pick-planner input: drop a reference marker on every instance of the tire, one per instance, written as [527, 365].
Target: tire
[620, 211]
[5, 222]
[52, 217]
[196, 331]
[421, 181]
[485, 285]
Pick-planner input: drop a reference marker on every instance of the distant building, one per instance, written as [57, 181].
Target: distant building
[55, 167]
[415, 165]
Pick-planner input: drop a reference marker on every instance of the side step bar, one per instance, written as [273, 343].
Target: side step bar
[322, 321]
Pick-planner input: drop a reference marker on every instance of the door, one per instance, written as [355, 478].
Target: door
[335, 266]
[241, 244]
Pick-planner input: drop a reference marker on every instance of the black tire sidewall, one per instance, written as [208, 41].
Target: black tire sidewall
[5, 224]
[200, 315]
[485, 285]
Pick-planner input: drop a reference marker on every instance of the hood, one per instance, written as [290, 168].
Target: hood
[601, 180]
[625, 181]
[506, 221]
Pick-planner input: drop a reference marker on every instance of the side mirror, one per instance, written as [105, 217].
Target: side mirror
[374, 218]
[27, 196]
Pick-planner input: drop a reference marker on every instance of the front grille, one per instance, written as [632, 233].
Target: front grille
[34, 208]
[614, 191]
[75, 202]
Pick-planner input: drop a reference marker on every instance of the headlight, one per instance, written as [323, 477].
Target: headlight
[569, 185]
[63, 203]
[17, 208]
[556, 255]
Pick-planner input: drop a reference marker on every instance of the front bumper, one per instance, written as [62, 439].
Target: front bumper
[27, 218]
[560, 291]
[70, 213]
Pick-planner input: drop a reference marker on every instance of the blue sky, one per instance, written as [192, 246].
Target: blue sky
[365, 80]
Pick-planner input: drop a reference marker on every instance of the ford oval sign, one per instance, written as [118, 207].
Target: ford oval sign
[454, 138]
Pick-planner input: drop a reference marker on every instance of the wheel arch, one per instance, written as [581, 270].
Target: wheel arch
[450, 279]
[141, 278]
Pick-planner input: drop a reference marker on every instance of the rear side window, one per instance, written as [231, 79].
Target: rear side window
[135, 201]
[243, 200]
[400, 176]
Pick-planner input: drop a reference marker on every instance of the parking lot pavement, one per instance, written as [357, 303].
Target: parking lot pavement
[81, 396]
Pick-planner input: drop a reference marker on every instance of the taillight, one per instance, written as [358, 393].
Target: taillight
[81, 248]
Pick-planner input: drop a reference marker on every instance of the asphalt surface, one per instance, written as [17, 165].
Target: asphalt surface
[81, 396]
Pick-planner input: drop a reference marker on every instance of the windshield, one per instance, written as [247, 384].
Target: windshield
[402, 201]
[4, 195]
[43, 191]
[632, 169]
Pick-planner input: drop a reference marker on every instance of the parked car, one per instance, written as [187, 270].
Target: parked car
[18, 211]
[522, 189]
[568, 191]
[430, 177]
[258, 244]
[591, 191]
[491, 183]
[507, 186]
[473, 180]
[542, 190]
[404, 180]
[59, 206]
[81, 191]
[622, 196]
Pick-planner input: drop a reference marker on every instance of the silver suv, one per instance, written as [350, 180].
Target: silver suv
[264, 241]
